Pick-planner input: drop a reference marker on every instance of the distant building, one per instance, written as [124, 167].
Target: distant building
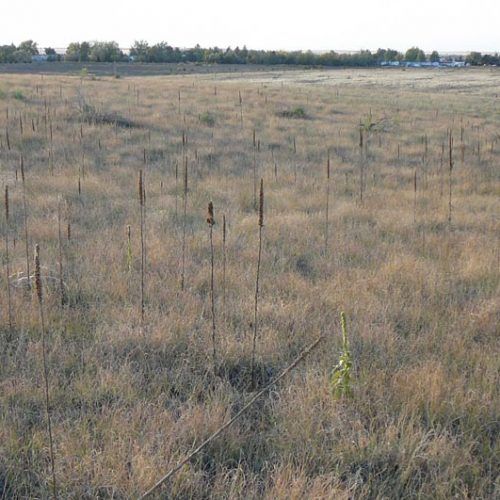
[443, 63]
[40, 58]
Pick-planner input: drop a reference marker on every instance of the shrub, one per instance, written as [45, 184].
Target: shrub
[207, 118]
[297, 113]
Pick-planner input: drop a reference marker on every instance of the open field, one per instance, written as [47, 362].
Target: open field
[135, 69]
[406, 246]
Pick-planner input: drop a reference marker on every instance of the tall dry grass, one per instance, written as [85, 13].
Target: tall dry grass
[125, 407]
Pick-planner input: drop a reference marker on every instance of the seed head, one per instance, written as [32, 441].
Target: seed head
[7, 203]
[185, 176]
[141, 188]
[261, 203]
[22, 168]
[451, 151]
[210, 214]
[38, 278]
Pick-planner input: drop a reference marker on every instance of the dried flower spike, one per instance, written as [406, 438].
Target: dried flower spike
[22, 168]
[210, 214]
[141, 188]
[38, 278]
[7, 203]
[261, 203]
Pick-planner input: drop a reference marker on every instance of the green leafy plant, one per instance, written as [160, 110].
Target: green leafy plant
[341, 377]
[207, 119]
[368, 124]
[298, 113]
[17, 94]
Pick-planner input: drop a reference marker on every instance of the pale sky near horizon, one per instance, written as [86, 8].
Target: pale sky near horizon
[443, 25]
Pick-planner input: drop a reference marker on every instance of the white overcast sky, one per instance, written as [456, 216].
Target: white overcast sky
[444, 25]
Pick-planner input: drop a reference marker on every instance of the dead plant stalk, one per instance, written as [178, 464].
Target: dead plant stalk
[39, 293]
[259, 256]
[211, 223]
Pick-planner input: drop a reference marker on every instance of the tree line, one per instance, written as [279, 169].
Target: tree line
[162, 52]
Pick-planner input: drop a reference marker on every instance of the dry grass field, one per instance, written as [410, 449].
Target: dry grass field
[409, 250]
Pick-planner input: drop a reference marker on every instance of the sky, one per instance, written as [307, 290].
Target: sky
[443, 25]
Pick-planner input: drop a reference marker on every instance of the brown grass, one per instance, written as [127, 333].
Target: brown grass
[127, 407]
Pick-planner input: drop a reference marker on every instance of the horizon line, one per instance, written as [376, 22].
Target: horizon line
[315, 51]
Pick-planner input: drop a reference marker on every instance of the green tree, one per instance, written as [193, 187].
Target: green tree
[415, 55]
[434, 57]
[161, 53]
[140, 51]
[380, 55]
[7, 53]
[490, 59]
[52, 55]
[72, 52]
[393, 55]
[78, 52]
[474, 59]
[105, 52]
[28, 46]
[84, 51]
[21, 56]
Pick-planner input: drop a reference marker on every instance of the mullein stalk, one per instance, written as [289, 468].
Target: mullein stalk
[361, 165]
[254, 172]
[327, 201]
[255, 319]
[441, 166]
[129, 250]
[176, 188]
[25, 217]
[450, 170]
[183, 265]
[141, 205]
[39, 293]
[7, 259]
[294, 161]
[145, 207]
[241, 108]
[224, 259]
[211, 223]
[341, 374]
[60, 256]
[415, 197]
